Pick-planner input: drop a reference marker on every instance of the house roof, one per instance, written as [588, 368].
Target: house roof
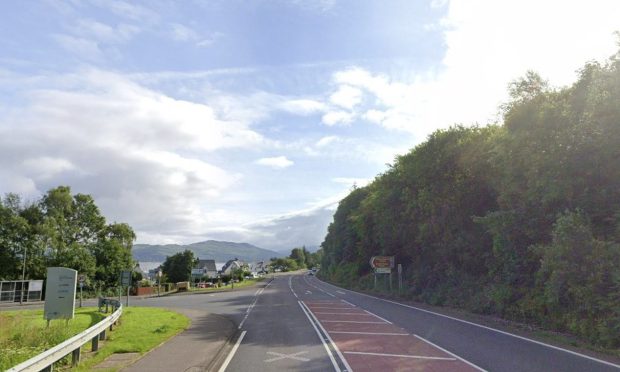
[209, 265]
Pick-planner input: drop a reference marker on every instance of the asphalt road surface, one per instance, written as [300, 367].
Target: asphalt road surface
[297, 322]
[301, 323]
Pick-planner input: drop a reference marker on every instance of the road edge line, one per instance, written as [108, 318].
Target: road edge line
[232, 352]
[485, 327]
[329, 352]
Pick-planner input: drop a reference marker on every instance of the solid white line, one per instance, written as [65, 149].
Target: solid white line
[332, 308]
[372, 333]
[232, 352]
[398, 355]
[318, 312]
[485, 327]
[350, 321]
[290, 285]
[341, 292]
[375, 315]
[347, 302]
[342, 358]
[256, 293]
[329, 352]
[454, 355]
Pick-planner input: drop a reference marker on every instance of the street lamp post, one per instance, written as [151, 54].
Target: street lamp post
[158, 281]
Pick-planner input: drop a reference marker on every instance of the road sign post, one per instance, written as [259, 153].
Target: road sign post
[81, 280]
[382, 265]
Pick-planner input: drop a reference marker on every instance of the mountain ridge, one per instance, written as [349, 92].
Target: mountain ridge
[220, 251]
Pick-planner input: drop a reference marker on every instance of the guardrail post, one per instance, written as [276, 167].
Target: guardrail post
[49, 368]
[102, 336]
[95, 343]
[75, 357]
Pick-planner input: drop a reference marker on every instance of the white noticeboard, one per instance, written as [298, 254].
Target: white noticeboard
[60, 293]
[383, 270]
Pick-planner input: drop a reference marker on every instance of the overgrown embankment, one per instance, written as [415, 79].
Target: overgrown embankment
[520, 220]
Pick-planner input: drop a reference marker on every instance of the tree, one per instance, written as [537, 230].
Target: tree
[178, 267]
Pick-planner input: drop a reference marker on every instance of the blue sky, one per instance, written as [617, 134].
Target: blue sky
[248, 120]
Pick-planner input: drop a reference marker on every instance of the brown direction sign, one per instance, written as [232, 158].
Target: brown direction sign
[382, 262]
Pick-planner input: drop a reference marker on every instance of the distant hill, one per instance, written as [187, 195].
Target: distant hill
[210, 249]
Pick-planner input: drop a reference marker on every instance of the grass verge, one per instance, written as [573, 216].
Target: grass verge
[140, 330]
[23, 334]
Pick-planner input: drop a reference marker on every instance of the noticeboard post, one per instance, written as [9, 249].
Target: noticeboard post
[125, 282]
[382, 265]
[59, 293]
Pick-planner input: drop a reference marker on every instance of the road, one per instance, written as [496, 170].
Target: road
[297, 322]
[301, 323]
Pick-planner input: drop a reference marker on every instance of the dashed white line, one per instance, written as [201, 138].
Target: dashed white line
[398, 355]
[232, 352]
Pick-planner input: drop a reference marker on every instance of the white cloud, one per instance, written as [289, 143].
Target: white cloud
[487, 47]
[337, 117]
[144, 156]
[278, 162]
[325, 141]
[103, 32]
[81, 47]
[183, 33]
[303, 106]
[359, 182]
[346, 96]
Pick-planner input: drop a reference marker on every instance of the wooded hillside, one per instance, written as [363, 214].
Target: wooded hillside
[521, 220]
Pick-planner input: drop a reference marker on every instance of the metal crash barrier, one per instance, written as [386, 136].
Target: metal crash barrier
[45, 361]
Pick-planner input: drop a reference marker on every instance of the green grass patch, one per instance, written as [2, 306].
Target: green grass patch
[140, 330]
[24, 333]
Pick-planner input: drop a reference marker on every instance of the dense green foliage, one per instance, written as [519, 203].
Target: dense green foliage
[300, 258]
[521, 220]
[62, 230]
[178, 267]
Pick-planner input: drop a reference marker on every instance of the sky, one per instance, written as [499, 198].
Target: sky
[248, 121]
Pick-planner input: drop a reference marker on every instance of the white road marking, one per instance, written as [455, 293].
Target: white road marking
[308, 292]
[342, 358]
[290, 285]
[329, 352]
[372, 333]
[347, 302]
[485, 327]
[332, 308]
[320, 289]
[350, 321]
[247, 313]
[232, 352]
[318, 312]
[280, 356]
[377, 316]
[398, 355]
[341, 292]
[454, 355]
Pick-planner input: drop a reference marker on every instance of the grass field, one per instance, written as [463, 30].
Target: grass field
[23, 334]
